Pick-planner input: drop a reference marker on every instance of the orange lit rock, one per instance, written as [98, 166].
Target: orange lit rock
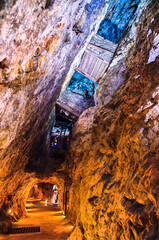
[114, 191]
[112, 168]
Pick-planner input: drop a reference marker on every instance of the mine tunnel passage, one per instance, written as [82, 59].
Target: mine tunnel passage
[83, 158]
[42, 213]
[44, 193]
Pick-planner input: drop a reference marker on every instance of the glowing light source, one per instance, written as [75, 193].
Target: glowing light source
[45, 203]
[9, 210]
[71, 227]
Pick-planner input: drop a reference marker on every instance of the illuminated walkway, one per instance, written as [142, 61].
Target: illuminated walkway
[53, 225]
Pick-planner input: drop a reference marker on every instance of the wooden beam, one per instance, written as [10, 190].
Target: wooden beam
[100, 49]
[85, 74]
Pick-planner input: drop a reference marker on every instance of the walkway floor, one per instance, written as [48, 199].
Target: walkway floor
[53, 225]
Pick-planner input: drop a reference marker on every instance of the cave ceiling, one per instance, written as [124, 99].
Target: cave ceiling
[39, 44]
[95, 60]
[52, 54]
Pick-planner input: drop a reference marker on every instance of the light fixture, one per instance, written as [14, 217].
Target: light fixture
[9, 210]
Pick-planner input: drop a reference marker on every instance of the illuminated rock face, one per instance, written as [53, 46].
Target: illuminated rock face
[117, 18]
[38, 44]
[39, 40]
[115, 167]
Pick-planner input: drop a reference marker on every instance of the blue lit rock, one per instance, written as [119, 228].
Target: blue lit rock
[118, 16]
[113, 163]
[79, 83]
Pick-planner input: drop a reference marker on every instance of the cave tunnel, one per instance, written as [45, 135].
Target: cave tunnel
[79, 119]
[45, 192]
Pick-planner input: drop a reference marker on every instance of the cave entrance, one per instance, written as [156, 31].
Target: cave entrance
[43, 195]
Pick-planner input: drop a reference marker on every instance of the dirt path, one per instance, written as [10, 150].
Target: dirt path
[53, 225]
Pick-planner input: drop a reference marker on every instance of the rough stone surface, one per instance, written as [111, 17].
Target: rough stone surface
[103, 43]
[115, 168]
[79, 83]
[114, 160]
[38, 42]
[114, 75]
[118, 15]
[76, 102]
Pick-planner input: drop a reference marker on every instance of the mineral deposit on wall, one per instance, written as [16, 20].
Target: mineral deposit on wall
[38, 42]
[115, 147]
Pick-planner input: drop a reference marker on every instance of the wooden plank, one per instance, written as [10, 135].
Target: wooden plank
[96, 68]
[100, 49]
[83, 57]
[85, 74]
[100, 70]
[89, 62]
[91, 67]
[97, 74]
[106, 66]
[68, 108]
[83, 66]
[92, 75]
[103, 43]
[96, 56]
[106, 56]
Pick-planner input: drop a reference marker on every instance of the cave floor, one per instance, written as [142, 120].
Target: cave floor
[53, 225]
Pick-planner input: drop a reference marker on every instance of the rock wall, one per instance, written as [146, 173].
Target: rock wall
[115, 149]
[119, 13]
[38, 42]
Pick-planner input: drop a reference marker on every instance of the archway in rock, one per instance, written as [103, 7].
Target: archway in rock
[47, 193]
